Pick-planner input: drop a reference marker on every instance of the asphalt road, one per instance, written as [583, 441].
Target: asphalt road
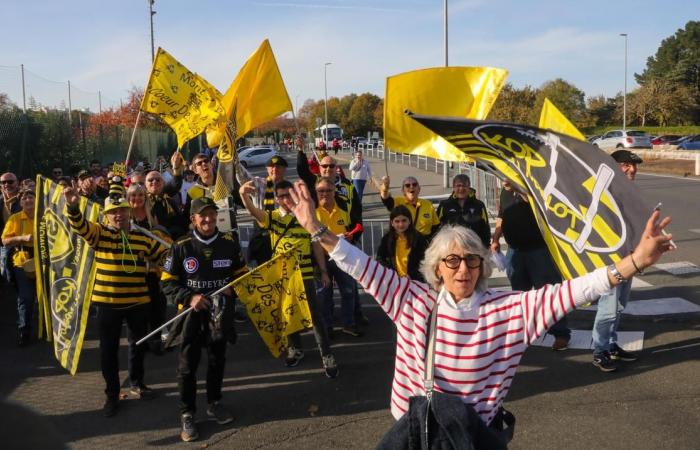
[560, 399]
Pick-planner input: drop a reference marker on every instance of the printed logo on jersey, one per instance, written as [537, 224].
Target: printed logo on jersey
[340, 222]
[426, 215]
[191, 264]
[168, 264]
[221, 263]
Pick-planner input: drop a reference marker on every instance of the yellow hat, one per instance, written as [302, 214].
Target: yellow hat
[117, 195]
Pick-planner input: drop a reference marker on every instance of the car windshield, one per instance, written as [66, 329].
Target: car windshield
[636, 133]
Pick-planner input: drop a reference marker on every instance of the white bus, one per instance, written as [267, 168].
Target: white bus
[333, 132]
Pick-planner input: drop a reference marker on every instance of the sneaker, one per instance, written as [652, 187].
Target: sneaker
[619, 354]
[141, 391]
[560, 343]
[294, 355]
[604, 363]
[361, 319]
[352, 331]
[330, 366]
[189, 428]
[220, 413]
[110, 407]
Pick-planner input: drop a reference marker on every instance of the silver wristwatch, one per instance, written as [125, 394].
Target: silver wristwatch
[616, 274]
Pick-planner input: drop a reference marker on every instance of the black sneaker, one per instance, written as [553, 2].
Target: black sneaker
[220, 413]
[294, 355]
[619, 354]
[604, 363]
[189, 431]
[141, 391]
[110, 407]
[239, 317]
[330, 367]
[351, 331]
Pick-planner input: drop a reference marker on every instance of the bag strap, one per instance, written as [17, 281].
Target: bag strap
[284, 231]
[429, 373]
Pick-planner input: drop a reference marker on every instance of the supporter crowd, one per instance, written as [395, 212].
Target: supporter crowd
[159, 242]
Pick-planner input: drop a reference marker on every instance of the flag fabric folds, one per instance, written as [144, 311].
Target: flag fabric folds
[551, 118]
[181, 98]
[467, 92]
[274, 296]
[257, 95]
[589, 213]
[65, 273]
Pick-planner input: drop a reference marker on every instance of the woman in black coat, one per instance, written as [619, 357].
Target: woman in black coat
[402, 248]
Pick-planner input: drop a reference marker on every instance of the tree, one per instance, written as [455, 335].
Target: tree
[568, 99]
[601, 110]
[514, 105]
[360, 119]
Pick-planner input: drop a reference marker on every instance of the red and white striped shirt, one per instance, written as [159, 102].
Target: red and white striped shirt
[479, 340]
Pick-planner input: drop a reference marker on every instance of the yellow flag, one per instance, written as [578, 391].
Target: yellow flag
[258, 94]
[181, 98]
[467, 92]
[551, 118]
[275, 299]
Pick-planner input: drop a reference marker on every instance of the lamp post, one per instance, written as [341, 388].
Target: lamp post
[153, 13]
[624, 97]
[445, 20]
[445, 166]
[325, 101]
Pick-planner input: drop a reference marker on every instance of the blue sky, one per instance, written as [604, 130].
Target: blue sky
[105, 46]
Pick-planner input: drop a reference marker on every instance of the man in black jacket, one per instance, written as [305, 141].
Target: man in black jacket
[198, 264]
[463, 208]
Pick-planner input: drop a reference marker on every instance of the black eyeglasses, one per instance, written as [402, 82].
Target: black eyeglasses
[410, 185]
[7, 181]
[201, 162]
[325, 191]
[454, 261]
[328, 166]
[154, 180]
[57, 172]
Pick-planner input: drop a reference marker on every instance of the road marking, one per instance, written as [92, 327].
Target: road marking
[632, 341]
[678, 267]
[655, 307]
[497, 274]
[669, 176]
[695, 230]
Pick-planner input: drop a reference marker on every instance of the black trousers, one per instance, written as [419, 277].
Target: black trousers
[109, 319]
[190, 354]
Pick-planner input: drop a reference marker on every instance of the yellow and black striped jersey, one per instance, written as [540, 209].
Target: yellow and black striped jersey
[285, 234]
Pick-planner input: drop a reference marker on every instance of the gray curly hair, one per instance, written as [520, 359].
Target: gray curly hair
[449, 237]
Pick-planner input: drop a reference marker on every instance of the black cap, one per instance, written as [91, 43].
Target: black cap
[626, 156]
[277, 161]
[199, 204]
[84, 174]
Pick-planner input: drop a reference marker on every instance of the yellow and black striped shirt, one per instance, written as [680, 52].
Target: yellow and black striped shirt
[289, 236]
[269, 197]
[120, 273]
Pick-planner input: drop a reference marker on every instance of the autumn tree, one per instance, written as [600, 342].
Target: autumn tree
[360, 119]
[514, 105]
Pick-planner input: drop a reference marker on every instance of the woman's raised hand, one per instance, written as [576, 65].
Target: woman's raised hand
[654, 243]
[304, 209]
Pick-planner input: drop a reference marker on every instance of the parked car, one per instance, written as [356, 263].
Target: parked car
[590, 139]
[665, 139]
[256, 156]
[692, 143]
[680, 140]
[623, 139]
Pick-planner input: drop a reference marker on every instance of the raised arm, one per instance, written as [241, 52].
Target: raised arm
[543, 307]
[87, 230]
[246, 190]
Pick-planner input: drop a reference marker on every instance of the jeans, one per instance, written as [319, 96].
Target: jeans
[188, 361]
[109, 320]
[26, 297]
[347, 296]
[607, 318]
[533, 269]
[320, 329]
[5, 271]
[359, 187]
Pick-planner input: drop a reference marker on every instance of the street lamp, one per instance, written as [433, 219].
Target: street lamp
[624, 98]
[325, 100]
[153, 13]
[445, 19]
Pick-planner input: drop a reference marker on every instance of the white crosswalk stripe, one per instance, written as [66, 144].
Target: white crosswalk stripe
[632, 341]
[678, 267]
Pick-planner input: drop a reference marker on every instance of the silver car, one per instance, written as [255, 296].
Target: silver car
[623, 139]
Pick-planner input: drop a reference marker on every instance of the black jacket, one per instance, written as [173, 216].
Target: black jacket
[472, 215]
[386, 254]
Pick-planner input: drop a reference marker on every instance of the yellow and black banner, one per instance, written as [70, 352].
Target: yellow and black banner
[589, 213]
[64, 273]
[276, 301]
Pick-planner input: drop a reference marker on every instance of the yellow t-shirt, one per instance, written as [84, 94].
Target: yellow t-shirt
[401, 257]
[426, 217]
[19, 224]
[337, 220]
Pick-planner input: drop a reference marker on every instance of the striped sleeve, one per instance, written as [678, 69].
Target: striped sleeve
[87, 230]
[386, 286]
[544, 307]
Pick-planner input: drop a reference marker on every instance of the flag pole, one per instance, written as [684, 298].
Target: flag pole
[151, 235]
[133, 138]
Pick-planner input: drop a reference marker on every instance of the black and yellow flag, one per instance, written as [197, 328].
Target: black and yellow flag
[275, 299]
[65, 273]
[589, 213]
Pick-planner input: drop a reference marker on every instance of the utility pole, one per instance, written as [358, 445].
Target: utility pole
[445, 165]
[70, 106]
[325, 100]
[24, 94]
[153, 13]
[624, 98]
